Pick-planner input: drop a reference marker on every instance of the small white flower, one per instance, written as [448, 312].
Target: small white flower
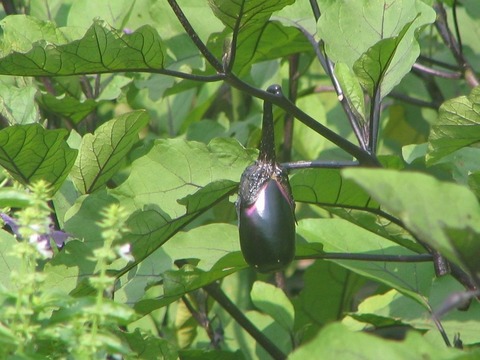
[42, 245]
[124, 252]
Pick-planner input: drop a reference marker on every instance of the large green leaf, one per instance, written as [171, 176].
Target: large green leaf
[386, 63]
[17, 104]
[327, 295]
[258, 38]
[102, 49]
[340, 236]
[102, 154]
[458, 125]
[30, 153]
[21, 31]
[252, 13]
[273, 301]
[177, 283]
[205, 245]
[70, 101]
[352, 90]
[350, 28]
[8, 262]
[327, 187]
[335, 341]
[395, 306]
[167, 188]
[175, 168]
[427, 207]
[382, 52]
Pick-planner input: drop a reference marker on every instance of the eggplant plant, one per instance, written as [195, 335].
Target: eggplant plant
[128, 128]
[266, 209]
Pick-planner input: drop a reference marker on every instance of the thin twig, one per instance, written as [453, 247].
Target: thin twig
[442, 27]
[323, 164]
[373, 128]
[9, 7]
[232, 52]
[329, 70]
[281, 101]
[440, 328]
[431, 85]
[455, 25]
[439, 73]
[369, 257]
[426, 59]
[293, 76]
[277, 99]
[414, 101]
[219, 296]
[217, 65]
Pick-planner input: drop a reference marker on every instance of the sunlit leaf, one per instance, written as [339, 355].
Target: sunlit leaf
[336, 341]
[102, 154]
[340, 236]
[246, 13]
[8, 262]
[102, 49]
[30, 153]
[393, 305]
[350, 28]
[425, 205]
[327, 187]
[273, 301]
[458, 125]
[351, 89]
[17, 104]
[384, 64]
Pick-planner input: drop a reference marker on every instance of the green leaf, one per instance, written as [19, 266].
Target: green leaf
[382, 67]
[328, 292]
[30, 153]
[69, 267]
[394, 306]
[208, 244]
[425, 205]
[350, 28]
[327, 187]
[351, 89]
[102, 154]
[17, 104]
[379, 225]
[20, 31]
[11, 198]
[188, 278]
[335, 341]
[151, 227]
[466, 242]
[102, 49]
[458, 125]
[8, 262]
[273, 301]
[192, 354]
[252, 13]
[148, 346]
[68, 106]
[340, 236]
[113, 311]
[258, 38]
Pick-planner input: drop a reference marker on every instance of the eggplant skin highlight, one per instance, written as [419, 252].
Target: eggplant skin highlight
[266, 218]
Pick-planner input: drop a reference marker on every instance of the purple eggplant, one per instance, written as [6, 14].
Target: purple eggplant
[266, 209]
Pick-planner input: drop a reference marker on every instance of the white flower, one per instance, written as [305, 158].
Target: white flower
[42, 245]
[124, 252]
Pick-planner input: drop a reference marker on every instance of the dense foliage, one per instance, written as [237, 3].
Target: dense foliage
[125, 128]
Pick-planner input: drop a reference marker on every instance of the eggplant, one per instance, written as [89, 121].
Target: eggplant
[265, 206]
